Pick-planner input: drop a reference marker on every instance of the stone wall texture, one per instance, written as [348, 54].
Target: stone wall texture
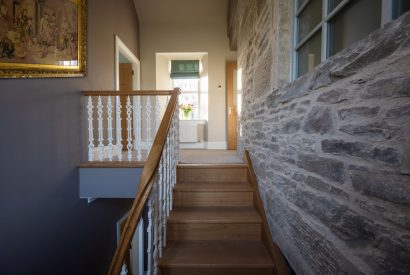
[332, 149]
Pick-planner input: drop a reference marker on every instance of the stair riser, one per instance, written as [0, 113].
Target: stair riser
[213, 231]
[191, 175]
[216, 199]
[217, 271]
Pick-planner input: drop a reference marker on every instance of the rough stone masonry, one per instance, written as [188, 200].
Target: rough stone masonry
[332, 149]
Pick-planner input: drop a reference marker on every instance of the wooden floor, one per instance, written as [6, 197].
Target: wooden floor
[214, 228]
[115, 163]
[187, 156]
[203, 156]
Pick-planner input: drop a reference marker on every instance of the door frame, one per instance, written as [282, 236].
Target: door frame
[137, 246]
[120, 47]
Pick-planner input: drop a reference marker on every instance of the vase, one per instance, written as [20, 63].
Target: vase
[185, 116]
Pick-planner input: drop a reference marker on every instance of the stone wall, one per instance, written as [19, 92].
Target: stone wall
[332, 149]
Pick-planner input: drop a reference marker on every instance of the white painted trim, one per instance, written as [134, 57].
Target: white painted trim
[137, 245]
[121, 47]
[294, 66]
[118, 226]
[387, 12]
[292, 71]
[137, 250]
[386, 16]
[325, 32]
[90, 200]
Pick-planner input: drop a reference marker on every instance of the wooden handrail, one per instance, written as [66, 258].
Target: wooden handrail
[145, 185]
[130, 93]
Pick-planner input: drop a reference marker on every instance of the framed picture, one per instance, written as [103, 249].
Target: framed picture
[42, 38]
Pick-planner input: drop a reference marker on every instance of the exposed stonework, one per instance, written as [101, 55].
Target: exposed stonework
[331, 149]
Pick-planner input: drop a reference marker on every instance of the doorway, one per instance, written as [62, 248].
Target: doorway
[124, 55]
[231, 105]
[127, 78]
[173, 70]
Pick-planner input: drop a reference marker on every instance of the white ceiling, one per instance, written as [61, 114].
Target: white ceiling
[181, 11]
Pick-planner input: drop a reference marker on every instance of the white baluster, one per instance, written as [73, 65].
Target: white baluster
[164, 200]
[171, 135]
[149, 231]
[148, 113]
[156, 206]
[139, 129]
[157, 114]
[90, 129]
[124, 270]
[129, 128]
[168, 175]
[176, 145]
[100, 129]
[137, 126]
[160, 202]
[110, 128]
[177, 133]
[118, 128]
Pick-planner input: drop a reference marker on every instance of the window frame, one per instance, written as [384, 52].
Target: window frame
[198, 92]
[324, 26]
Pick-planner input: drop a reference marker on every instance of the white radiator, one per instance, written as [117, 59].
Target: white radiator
[192, 130]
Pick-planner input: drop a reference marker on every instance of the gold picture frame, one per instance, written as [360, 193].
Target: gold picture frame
[43, 38]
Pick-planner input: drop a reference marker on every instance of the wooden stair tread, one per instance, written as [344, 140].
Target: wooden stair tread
[214, 215]
[211, 165]
[213, 187]
[216, 254]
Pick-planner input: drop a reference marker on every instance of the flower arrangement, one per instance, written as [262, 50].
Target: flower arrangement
[186, 110]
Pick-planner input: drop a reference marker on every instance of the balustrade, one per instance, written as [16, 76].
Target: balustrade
[128, 126]
[159, 202]
[141, 115]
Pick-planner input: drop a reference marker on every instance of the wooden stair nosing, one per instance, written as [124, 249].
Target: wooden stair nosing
[226, 215]
[212, 199]
[214, 231]
[213, 186]
[217, 254]
[211, 165]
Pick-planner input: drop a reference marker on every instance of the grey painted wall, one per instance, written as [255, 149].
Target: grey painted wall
[331, 149]
[44, 227]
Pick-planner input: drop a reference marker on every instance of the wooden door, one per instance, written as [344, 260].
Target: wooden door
[126, 84]
[231, 112]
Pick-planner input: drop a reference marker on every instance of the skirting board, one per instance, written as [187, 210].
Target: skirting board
[221, 145]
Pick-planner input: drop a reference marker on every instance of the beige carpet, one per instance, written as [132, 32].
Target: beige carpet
[208, 156]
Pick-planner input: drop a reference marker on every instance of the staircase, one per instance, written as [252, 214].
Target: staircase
[214, 227]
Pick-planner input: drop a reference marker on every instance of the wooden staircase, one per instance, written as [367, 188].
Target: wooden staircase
[216, 226]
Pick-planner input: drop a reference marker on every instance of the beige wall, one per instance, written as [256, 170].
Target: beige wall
[163, 80]
[199, 37]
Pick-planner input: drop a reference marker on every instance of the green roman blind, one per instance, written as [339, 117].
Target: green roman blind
[184, 69]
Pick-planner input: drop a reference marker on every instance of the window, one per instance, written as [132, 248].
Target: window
[400, 7]
[325, 27]
[189, 95]
[348, 26]
[185, 74]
